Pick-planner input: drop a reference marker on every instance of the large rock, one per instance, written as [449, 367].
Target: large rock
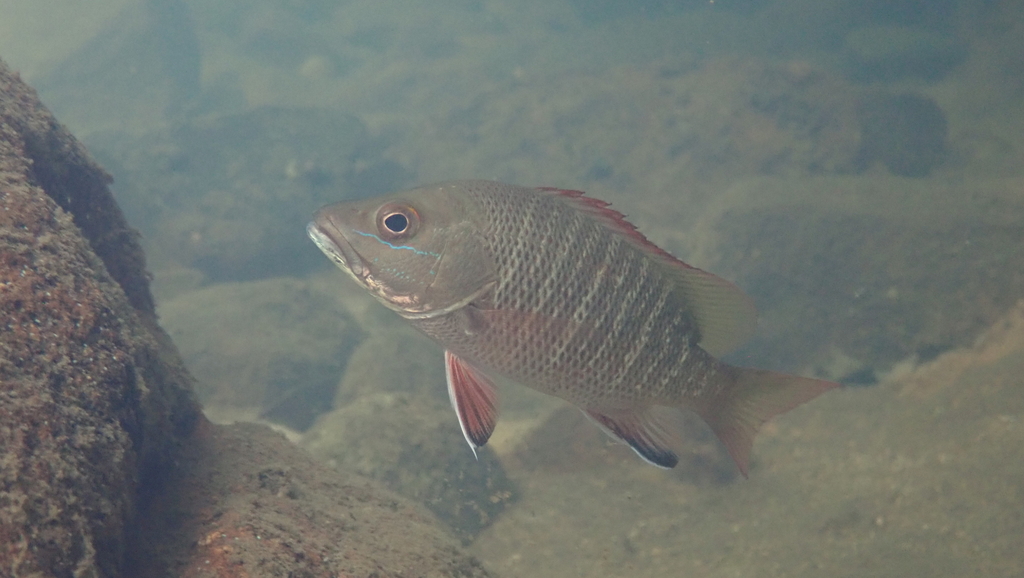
[244, 502]
[103, 472]
[270, 349]
[93, 397]
[392, 422]
[866, 272]
[230, 195]
[680, 125]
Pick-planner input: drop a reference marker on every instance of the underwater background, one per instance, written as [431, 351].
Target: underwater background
[856, 166]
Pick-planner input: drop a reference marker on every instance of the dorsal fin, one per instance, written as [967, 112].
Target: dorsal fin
[726, 316]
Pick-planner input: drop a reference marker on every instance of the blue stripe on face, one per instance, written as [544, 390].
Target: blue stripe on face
[413, 249]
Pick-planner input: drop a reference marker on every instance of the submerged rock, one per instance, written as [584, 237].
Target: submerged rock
[415, 448]
[392, 422]
[904, 132]
[93, 400]
[243, 502]
[680, 121]
[270, 349]
[875, 269]
[103, 472]
[230, 195]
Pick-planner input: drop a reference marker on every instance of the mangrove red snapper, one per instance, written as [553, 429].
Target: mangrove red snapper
[556, 291]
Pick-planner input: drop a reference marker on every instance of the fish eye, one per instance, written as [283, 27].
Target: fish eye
[396, 221]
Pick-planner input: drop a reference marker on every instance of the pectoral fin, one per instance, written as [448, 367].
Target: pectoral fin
[641, 430]
[475, 401]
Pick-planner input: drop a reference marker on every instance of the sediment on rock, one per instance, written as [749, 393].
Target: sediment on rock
[93, 398]
[107, 467]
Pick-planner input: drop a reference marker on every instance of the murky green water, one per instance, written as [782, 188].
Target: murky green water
[855, 166]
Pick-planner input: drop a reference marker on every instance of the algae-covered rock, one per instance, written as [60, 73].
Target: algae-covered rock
[875, 269]
[231, 195]
[392, 422]
[394, 359]
[413, 444]
[93, 399]
[243, 501]
[673, 128]
[272, 349]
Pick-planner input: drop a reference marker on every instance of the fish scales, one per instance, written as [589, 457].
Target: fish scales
[630, 283]
[556, 291]
[548, 262]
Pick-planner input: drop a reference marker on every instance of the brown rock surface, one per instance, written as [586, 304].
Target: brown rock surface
[103, 472]
[92, 397]
[243, 502]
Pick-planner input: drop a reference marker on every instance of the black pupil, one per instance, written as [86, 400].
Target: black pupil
[396, 222]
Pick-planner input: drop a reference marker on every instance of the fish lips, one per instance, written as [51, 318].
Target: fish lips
[338, 249]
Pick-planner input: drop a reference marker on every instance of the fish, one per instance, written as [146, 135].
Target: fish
[555, 290]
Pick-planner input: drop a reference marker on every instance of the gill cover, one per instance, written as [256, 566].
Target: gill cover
[421, 252]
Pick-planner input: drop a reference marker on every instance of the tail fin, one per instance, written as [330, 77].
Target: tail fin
[750, 397]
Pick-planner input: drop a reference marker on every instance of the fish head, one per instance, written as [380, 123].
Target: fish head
[421, 253]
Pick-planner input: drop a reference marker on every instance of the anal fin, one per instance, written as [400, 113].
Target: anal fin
[641, 430]
[475, 401]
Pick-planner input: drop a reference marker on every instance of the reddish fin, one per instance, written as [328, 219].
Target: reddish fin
[725, 316]
[642, 431]
[614, 220]
[750, 397]
[474, 399]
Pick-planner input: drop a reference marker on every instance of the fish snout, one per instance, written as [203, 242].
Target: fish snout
[333, 244]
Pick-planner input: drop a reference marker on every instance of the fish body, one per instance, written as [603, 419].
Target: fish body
[556, 291]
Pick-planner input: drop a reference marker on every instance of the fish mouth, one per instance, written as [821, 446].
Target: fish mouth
[337, 249]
